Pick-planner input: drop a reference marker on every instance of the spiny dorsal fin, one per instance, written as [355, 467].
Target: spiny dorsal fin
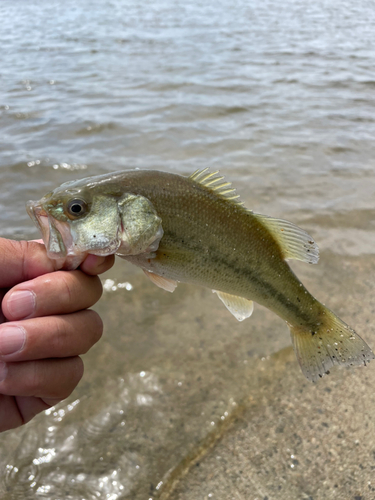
[294, 241]
[216, 183]
[240, 308]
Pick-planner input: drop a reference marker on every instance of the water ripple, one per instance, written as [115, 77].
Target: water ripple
[279, 97]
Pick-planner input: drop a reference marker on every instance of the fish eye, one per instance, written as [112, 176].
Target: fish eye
[76, 207]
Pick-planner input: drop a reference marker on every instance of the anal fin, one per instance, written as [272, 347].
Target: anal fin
[240, 308]
[164, 283]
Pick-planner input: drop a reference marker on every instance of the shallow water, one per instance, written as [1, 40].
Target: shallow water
[178, 399]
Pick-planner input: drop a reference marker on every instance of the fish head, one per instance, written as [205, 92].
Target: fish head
[74, 222]
[81, 218]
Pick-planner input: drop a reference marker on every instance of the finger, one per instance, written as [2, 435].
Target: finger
[15, 411]
[61, 292]
[22, 261]
[94, 264]
[47, 378]
[50, 337]
[2, 293]
[10, 416]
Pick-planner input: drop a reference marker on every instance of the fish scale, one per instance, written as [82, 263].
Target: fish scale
[196, 230]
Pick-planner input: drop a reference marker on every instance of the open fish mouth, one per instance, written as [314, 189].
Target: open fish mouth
[56, 236]
[40, 218]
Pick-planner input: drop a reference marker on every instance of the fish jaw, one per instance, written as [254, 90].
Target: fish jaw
[56, 236]
[70, 241]
[39, 216]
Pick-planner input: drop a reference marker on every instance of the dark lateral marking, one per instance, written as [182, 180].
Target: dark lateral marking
[216, 259]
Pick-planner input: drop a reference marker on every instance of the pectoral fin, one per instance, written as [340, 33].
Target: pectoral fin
[160, 281]
[240, 308]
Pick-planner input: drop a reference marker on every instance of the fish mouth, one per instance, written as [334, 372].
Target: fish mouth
[40, 218]
[56, 236]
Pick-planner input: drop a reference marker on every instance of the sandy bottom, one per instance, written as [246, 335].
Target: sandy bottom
[180, 401]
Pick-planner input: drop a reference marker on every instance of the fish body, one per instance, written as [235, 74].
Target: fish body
[195, 230]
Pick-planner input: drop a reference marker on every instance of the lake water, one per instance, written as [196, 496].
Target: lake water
[180, 401]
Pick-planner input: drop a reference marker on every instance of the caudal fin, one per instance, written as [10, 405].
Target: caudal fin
[331, 343]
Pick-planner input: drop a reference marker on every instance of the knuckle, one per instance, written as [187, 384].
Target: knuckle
[79, 289]
[60, 334]
[71, 375]
[22, 250]
[68, 373]
[50, 378]
[108, 262]
[99, 287]
[34, 380]
[27, 255]
[96, 288]
[79, 369]
[94, 328]
[22, 379]
[75, 373]
[67, 286]
[97, 329]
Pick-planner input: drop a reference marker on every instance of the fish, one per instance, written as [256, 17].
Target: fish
[196, 230]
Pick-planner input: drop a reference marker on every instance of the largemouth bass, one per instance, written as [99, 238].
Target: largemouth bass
[195, 230]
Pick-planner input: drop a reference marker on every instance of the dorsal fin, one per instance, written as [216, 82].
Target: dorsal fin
[216, 183]
[294, 241]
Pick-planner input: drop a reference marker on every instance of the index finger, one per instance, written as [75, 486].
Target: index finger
[95, 264]
[23, 261]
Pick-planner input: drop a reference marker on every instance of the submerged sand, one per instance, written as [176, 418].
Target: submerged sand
[180, 401]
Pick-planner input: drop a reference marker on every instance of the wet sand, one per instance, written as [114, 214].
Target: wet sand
[180, 401]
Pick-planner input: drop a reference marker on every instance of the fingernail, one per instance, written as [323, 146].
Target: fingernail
[3, 371]
[12, 339]
[21, 304]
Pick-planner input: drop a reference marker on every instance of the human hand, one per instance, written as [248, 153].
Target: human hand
[44, 327]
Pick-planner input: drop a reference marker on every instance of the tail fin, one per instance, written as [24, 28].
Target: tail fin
[332, 343]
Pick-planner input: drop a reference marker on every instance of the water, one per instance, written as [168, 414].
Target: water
[280, 98]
